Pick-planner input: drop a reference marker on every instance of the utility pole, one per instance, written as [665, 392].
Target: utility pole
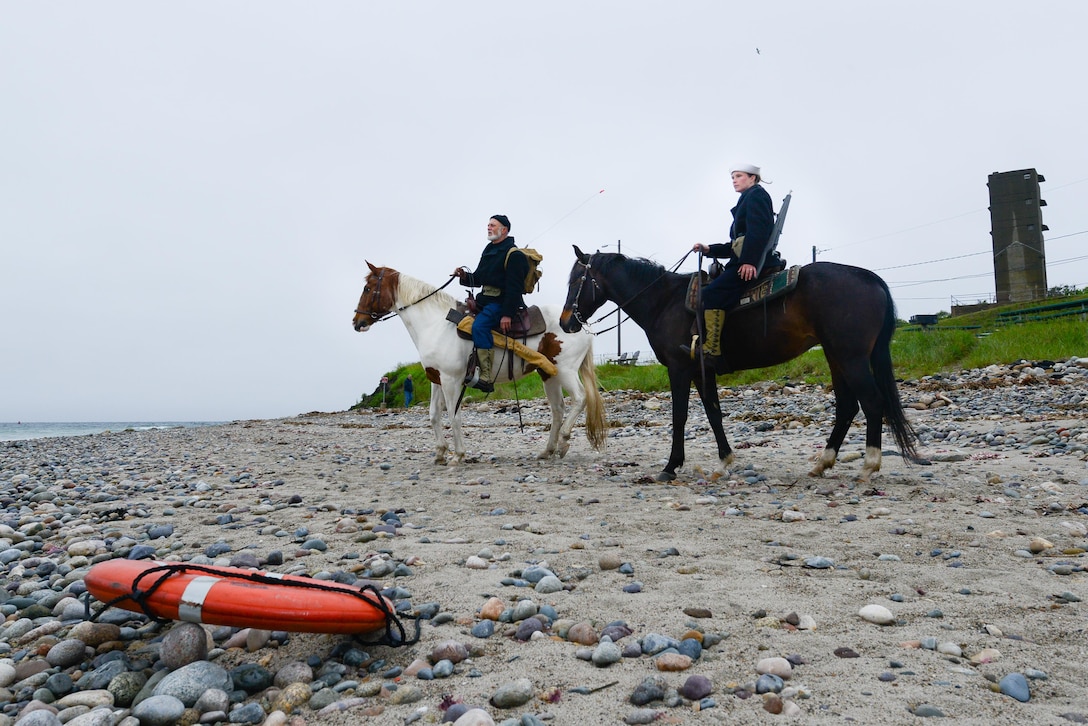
[619, 344]
[813, 253]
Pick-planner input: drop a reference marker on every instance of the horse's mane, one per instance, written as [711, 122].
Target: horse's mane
[412, 291]
[640, 271]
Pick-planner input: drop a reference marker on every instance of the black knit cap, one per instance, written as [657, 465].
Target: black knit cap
[502, 219]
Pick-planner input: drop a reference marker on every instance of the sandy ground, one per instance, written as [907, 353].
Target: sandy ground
[917, 540]
[941, 546]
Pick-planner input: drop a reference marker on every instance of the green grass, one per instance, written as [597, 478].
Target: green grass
[915, 353]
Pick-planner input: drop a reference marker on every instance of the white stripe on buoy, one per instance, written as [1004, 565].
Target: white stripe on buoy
[192, 600]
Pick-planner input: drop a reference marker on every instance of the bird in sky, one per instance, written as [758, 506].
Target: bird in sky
[757, 52]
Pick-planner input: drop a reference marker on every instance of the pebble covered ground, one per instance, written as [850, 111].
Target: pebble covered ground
[576, 590]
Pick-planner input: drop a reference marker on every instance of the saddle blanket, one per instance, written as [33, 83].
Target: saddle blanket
[530, 356]
[766, 288]
[777, 284]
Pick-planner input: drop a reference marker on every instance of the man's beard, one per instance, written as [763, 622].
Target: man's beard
[493, 236]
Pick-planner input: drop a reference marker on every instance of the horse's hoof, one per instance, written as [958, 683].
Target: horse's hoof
[666, 476]
[817, 473]
[544, 455]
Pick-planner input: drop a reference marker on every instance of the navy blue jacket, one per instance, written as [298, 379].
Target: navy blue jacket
[494, 271]
[753, 218]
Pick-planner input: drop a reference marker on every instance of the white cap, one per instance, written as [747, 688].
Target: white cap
[749, 169]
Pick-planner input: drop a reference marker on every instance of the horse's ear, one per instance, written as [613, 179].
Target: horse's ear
[582, 256]
[372, 267]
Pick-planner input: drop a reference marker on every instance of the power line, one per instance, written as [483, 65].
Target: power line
[942, 221]
[929, 262]
[904, 231]
[986, 252]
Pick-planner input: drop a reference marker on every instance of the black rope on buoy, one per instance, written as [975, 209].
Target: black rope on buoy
[368, 593]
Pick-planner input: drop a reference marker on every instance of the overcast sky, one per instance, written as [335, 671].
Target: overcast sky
[189, 191]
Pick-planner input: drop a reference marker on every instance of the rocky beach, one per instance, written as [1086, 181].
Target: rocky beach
[576, 590]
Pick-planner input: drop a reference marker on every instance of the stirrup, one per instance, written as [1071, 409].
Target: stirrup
[693, 349]
[480, 384]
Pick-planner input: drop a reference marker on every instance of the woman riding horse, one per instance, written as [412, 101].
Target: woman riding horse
[846, 310]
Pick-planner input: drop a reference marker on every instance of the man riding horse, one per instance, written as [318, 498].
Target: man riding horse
[503, 281]
[750, 233]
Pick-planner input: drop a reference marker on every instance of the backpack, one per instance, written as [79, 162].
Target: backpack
[532, 278]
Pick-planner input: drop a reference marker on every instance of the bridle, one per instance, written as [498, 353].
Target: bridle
[376, 296]
[576, 312]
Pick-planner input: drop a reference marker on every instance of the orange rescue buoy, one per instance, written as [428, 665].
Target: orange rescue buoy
[237, 597]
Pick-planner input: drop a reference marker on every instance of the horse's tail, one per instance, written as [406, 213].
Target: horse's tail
[884, 373]
[596, 426]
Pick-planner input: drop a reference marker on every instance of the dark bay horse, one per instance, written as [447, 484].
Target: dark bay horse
[847, 310]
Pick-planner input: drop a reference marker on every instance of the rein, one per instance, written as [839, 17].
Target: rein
[379, 317]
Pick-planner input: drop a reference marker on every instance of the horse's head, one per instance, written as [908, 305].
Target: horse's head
[378, 299]
[584, 294]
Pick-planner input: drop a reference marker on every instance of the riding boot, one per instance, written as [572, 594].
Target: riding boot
[483, 381]
[713, 320]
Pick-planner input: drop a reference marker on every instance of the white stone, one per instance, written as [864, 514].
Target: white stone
[806, 622]
[877, 614]
[949, 648]
[776, 667]
[475, 717]
[7, 674]
[476, 563]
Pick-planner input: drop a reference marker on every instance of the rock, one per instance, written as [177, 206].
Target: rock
[66, 653]
[768, 683]
[582, 633]
[606, 653]
[877, 614]
[1039, 544]
[492, 609]
[650, 689]
[125, 687]
[451, 650]
[293, 696]
[188, 682]
[251, 677]
[183, 644]
[775, 666]
[159, 711]
[696, 687]
[986, 655]
[673, 662]
[609, 561]
[474, 717]
[293, 672]
[1015, 685]
[548, 585]
[95, 634]
[512, 695]
[212, 699]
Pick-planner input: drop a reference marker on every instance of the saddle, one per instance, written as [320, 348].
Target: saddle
[771, 284]
[528, 321]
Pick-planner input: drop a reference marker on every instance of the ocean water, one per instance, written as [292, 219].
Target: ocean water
[23, 430]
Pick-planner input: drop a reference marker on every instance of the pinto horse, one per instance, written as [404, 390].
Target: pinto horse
[846, 310]
[444, 355]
